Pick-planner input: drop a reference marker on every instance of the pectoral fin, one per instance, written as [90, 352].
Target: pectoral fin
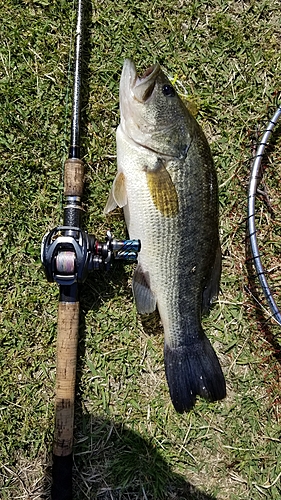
[162, 189]
[118, 194]
[144, 297]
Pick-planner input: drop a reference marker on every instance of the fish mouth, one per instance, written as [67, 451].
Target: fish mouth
[140, 87]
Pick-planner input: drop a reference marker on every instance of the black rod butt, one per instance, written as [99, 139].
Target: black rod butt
[62, 478]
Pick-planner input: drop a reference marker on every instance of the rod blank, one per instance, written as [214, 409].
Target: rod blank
[74, 150]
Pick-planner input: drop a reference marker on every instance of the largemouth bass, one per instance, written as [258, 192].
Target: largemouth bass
[167, 185]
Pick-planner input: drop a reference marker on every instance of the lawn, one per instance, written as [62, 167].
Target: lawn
[224, 57]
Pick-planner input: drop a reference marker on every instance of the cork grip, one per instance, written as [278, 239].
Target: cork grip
[73, 177]
[67, 340]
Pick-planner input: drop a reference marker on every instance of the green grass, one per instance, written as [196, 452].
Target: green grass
[129, 442]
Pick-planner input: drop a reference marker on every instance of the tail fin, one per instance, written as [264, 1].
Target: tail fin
[193, 370]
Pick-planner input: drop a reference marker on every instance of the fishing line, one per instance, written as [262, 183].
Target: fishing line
[253, 185]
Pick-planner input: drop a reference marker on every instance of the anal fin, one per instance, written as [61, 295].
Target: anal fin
[144, 297]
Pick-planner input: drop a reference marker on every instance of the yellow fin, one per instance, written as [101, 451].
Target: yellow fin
[162, 190]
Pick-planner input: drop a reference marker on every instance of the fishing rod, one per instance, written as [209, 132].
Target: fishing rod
[254, 180]
[68, 254]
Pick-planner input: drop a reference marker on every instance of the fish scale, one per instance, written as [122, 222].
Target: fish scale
[174, 256]
[167, 186]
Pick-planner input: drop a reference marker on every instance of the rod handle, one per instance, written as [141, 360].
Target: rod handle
[67, 340]
[73, 177]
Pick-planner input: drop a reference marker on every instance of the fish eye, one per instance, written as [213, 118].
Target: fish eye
[168, 90]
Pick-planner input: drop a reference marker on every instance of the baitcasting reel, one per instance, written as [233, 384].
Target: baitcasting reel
[68, 254]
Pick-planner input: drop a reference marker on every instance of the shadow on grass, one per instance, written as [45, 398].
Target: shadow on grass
[117, 463]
